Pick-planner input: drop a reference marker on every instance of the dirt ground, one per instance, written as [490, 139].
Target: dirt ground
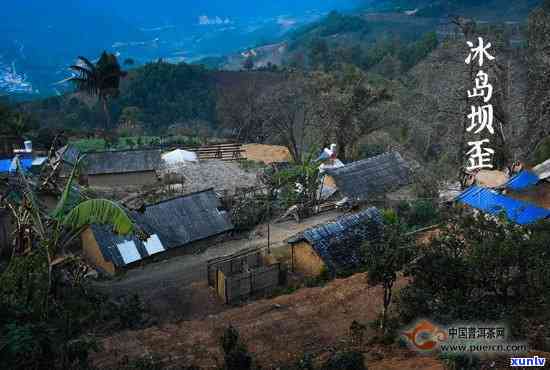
[267, 153]
[176, 288]
[277, 331]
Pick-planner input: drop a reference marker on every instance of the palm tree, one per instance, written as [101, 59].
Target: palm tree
[101, 79]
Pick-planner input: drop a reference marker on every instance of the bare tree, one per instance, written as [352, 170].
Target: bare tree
[238, 110]
[345, 108]
[288, 113]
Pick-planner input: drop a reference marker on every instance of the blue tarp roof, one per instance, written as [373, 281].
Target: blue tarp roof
[523, 180]
[494, 203]
[5, 164]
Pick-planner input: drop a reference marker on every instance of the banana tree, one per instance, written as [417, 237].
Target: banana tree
[48, 235]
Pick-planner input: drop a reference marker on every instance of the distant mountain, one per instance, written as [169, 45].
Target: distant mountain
[42, 38]
[480, 9]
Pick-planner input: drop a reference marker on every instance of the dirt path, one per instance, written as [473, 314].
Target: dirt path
[176, 288]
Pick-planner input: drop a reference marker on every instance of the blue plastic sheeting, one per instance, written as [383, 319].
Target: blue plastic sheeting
[523, 180]
[5, 164]
[493, 203]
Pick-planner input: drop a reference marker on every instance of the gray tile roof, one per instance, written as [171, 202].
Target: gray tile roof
[373, 176]
[339, 242]
[177, 222]
[68, 154]
[125, 161]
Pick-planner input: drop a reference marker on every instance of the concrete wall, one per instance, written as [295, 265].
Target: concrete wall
[126, 179]
[305, 260]
[93, 254]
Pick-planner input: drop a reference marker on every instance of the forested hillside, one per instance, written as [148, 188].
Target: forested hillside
[413, 64]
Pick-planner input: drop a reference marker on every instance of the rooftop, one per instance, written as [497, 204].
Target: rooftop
[173, 223]
[493, 203]
[126, 161]
[339, 242]
[376, 175]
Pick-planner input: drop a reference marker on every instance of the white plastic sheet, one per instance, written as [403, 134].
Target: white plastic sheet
[178, 157]
[154, 245]
[129, 252]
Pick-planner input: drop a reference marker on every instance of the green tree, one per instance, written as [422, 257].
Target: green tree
[130, 142]
[318, 53]
[479, 268]
[37, 326]
[299, 184]
[101, 79]
[386, 257]
[13, 122]
[131, 116]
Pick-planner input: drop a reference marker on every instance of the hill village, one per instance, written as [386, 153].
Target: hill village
[367, 190]
[193, 250]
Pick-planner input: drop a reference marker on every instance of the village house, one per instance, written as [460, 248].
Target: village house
[177, 225]
[122, 168]
[524, 198]
[335, 246]
[369, 179]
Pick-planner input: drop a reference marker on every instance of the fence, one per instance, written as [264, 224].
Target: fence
[224, 152]
[239, 287]
[241, 276]
[233, 264]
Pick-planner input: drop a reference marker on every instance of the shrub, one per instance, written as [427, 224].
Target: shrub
[130, 312]
[423, 213]
[350, 360]
[479, 259]
[235, 352]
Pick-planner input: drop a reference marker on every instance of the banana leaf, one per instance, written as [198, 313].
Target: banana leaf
[102, 212]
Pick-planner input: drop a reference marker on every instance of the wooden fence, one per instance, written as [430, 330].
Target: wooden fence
[239, 277]
[224, 152]
[240, 287]
[233, 264]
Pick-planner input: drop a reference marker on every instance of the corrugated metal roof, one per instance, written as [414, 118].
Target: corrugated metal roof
[339, 242]
[172, 224]
[377, 175]
[126, 161]
[493, 203]
[7, 165]
[522, 180]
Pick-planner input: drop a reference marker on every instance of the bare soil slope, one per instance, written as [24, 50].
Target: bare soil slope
[277, 331]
